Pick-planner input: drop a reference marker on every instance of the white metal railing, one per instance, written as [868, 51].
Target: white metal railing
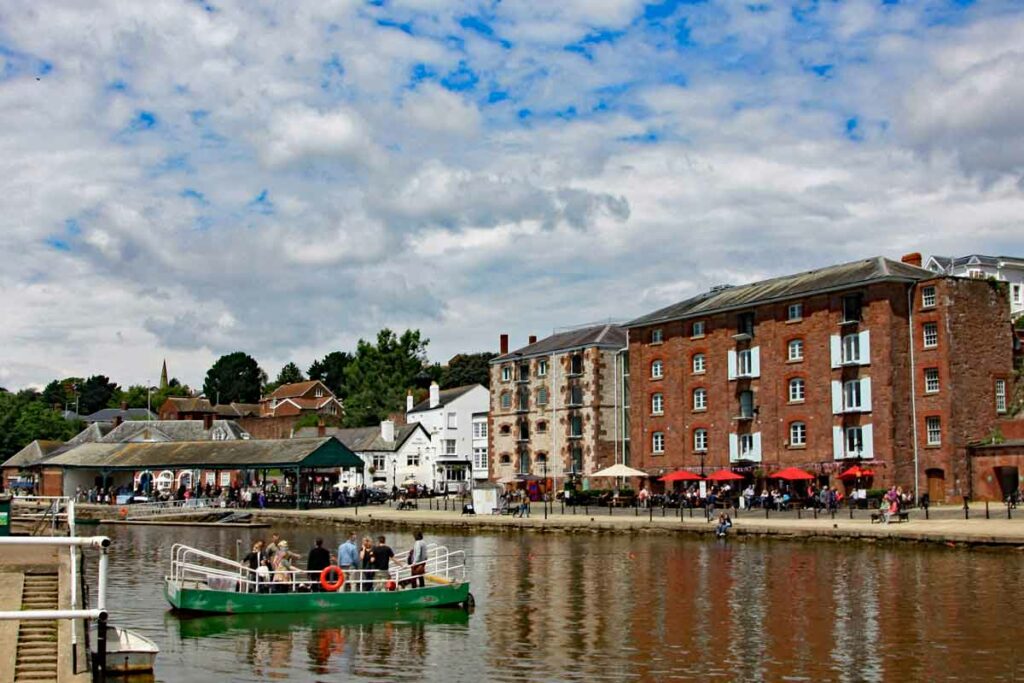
[155, 509]
[191, 567]
[100, 542]
[55, 509]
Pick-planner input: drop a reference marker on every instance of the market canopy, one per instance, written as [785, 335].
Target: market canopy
[224, 455]
[856, 472]
[724, 475]
[681, 475]
[619, 470]
[792, 474]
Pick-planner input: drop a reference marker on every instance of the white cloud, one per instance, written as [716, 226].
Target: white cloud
[300, 133]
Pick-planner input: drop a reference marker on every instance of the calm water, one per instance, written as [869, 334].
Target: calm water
[613, 608]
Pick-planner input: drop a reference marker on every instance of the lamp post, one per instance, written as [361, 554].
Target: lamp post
[545, 488]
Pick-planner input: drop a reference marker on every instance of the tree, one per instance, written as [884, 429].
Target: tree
[234, 377]
[25, 418]
[95, 394]
[63, 392]
[290, 374]
[331, 371]
[380, 374]
[467, 368]
[137, 396]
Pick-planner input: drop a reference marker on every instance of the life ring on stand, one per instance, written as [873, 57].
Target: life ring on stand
[123, 512]
[326, 583]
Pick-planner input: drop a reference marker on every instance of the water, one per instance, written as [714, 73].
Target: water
[612, 608]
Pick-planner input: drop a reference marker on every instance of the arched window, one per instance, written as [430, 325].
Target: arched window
[542, 426]
[795, 349]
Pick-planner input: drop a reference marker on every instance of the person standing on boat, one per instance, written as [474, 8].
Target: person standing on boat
[366, 564]
[418, 560]
[272, 546]
[319, 559]
[348, 559]
[382, 554]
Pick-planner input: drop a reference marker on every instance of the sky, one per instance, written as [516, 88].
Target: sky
[183, 179]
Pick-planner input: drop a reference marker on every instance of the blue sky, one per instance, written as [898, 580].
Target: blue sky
[184, 179]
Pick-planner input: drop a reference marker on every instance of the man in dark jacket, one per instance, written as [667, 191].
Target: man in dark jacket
[319, 559]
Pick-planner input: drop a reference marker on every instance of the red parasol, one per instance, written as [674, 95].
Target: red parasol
[681, 475]
[724, 475]
[792, 474]
[856, 472]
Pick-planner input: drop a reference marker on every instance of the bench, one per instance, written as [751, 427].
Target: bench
[407, 505]
[901, 516]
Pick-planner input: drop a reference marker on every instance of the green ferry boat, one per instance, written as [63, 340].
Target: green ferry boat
[201, 582]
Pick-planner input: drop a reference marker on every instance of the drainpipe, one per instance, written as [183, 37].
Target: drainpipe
[553, 428]
[620, 381]
[913, 390]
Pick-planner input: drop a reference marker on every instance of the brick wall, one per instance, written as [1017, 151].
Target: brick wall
[268, 427]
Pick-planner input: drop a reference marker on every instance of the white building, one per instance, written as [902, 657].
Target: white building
[480, 470]
[1007, 269]
[448, 416]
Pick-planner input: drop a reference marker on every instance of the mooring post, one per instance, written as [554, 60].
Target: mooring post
[100, 672]
[986, 511]
[967, 509]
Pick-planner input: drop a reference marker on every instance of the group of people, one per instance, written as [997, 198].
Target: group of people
[364, 565]
[516, 503]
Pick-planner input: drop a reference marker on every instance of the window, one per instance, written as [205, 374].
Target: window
[745, 364]
[1018, 293]
[658, 442]
[506, 400]
[852, 305]
[412, 459]
[976, 273]
[700, 399]
[524, 431]
[576, 395]
[931, 380]
[319, 393]
[575, 426]
[449, 446]
[506, 373]
[506, 458]
[698, 363]
[524, 372]
[797, 434]
[700, 440]
[747, 404]
[933, 429]
[851, 348]
[576, 365]
[480, 430]
[576, 458]
[656, 336]
[453, 421]
[746, 445]
[854, 440]
[505, 429]
[1000, 395]
[480, 457]
[745, 323]
[697, 329]
[657, 404]
[542, 458]
[524, 463]
[851, 395]
[657, 369]
[796, 389]
[928, 297]
[542, 396]
[542, 368]
[523, 399]
[542, 427]
[931, 335]
[379, 463]
[795, 349]
[795, 312]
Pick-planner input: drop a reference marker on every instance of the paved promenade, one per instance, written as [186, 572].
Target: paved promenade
[947, 525]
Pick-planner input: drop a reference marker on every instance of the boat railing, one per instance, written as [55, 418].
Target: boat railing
[165, 507]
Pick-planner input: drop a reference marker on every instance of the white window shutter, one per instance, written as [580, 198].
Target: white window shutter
[755, 361]
[734, 447]
[837, 397]
[837, 442]
[865, 347]
[732, 363]
[756, 455]
[865, 394]
[837, 354]
[867, 433]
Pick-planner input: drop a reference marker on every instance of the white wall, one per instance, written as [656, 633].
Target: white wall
[476, 400]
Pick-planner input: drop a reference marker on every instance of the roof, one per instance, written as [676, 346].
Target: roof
[32, 453]
[445, 396]
[270, 453]
[363, 439]
[110, 414]
[606, 336]
[297, 389]
[232, 410]
[950, 263]
[191, 404]
[174, 430]
[831, 278]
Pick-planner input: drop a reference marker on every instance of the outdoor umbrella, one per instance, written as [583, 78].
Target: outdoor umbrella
[724, 475]
[792, 474]
[681, 475]
[856, 472]
[619, 470]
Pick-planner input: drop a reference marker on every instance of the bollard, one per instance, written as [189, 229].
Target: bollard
[357, 509]
[926, 512]
[545, 508]
[563, 506]
[100, 662]
[662, 510]
[691, 512]
[1008, 506]
[586, 508]
[650, 514]
[851, 512]
[798, 513]
[766, 512]
[815, 511]
[609, 508]
[636, 510]
[967, 509]
[986, 510]
[833, 511]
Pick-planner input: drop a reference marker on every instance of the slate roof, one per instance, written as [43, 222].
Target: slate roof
[296, 389]
[445, 397]
[252, 453]
[605, 336]
[191, 404]
[109, 415]
[948, 263]
[33, 453]
[233, 410]
[363, 439]
[831, 278]
[173, 430]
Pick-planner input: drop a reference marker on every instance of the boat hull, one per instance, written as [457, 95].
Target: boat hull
[228, 602]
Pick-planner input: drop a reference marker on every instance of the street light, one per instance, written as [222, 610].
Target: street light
[545, 487]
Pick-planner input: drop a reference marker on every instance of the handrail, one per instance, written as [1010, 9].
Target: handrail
[100, 542]
[57, 508]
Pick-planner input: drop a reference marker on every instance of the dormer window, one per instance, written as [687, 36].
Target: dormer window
[319, 393]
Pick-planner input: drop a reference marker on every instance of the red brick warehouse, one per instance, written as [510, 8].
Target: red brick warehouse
[817, 370]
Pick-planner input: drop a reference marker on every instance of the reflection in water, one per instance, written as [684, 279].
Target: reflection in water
[613, 608]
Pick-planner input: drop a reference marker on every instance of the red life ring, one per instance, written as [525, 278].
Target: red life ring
[123, 512]
[328, 585]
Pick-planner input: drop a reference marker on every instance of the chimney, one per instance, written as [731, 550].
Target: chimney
[321, 428]
[533, 339]
[435, 395]
[387, 430]
[208, 421]
[913, 258]
[408, 402]
[118, 419]
[503, 347]
[124, 405]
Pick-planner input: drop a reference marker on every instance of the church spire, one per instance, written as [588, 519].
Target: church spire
[163, 375]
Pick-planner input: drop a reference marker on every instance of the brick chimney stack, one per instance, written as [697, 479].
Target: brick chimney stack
[913, 258]
[321, 428]
[533, 339]
[503, 346]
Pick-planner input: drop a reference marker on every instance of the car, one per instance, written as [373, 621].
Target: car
[376, 496]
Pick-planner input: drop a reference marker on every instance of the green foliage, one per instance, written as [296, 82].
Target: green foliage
[467, 368]
[380, 374]
[312, 420]
[234, 377]
[290, 374]
[136, 396]
[95, 394]
[331, 371]
[62, 392]
[24, 419]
